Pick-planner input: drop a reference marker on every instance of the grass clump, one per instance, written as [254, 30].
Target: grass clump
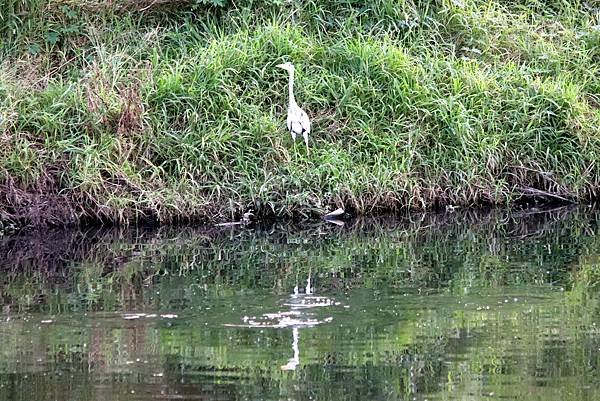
[176, 112]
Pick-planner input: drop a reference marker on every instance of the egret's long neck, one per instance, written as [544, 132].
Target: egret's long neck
[291, 88]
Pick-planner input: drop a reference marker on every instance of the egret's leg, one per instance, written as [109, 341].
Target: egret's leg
[306, 142]
[294, 140]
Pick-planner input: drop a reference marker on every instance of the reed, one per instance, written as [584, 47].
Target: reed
[175, 112]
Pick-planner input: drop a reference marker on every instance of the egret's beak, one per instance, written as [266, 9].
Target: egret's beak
[280, 66]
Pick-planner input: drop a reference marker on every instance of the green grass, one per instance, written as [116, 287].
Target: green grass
[177, 113]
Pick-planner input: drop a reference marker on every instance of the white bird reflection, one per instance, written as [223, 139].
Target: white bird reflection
[294, 361]
[308, 290]
[300, 315]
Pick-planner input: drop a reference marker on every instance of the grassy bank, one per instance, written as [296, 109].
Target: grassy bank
[173, 110]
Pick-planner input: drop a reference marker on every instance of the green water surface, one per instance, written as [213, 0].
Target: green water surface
[463, 306]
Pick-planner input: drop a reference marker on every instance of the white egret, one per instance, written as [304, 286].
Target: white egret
[298, 122]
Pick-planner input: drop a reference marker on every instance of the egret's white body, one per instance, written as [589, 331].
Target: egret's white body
[298, 122]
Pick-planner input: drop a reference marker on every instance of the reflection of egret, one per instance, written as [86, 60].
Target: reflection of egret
[307, 290]
[299, 315]
[295, 360]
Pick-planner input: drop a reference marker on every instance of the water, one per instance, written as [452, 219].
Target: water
[456, 306]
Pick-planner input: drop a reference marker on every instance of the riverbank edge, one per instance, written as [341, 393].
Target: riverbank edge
[39, 210]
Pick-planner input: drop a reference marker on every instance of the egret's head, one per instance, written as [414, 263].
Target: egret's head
[286, 66]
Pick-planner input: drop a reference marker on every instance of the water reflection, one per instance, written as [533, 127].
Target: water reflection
[297, 316]
[451, 306]
[294, 361]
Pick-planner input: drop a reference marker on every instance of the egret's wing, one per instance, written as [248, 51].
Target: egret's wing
[298, 122]
[304, 121]
[296, 127]
[290, 125]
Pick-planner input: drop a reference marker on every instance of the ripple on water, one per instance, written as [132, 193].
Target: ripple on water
[445, 312]
[301, 313]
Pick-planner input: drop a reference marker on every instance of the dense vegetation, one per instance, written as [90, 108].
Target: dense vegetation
[173, 110]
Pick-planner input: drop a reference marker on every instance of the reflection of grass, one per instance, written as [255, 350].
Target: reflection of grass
[432, 252]
[433, 346]
[178, 113]
[418, 292]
